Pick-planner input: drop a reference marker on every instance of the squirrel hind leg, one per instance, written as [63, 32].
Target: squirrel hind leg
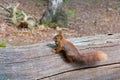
[69, 59]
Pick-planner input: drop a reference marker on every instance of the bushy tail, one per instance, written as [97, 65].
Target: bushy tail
[92, 57]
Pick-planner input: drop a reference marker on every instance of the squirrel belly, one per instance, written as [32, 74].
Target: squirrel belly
[91, 57]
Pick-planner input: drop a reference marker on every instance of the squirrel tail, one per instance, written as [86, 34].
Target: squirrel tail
[92, 57]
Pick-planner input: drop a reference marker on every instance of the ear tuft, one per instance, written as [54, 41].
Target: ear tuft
[60, 32]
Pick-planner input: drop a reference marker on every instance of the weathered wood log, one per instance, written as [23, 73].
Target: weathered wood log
[36, 61]
[107, 72]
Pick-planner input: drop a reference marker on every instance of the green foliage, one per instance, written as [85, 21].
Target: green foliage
[71, 13]
[50, 24]
[65, 0]
[97, 1]
[43, 23]
[91, 1]
[53, 25]
[19, 16]
[43, 2]
[2, 44]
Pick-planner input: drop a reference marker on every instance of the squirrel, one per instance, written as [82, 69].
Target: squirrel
[72, 54]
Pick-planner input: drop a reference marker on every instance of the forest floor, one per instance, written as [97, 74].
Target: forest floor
[87, 17]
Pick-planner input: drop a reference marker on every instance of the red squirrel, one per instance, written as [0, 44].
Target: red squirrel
[72, 53]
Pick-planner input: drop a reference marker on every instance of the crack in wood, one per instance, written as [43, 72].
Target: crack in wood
[100, 46]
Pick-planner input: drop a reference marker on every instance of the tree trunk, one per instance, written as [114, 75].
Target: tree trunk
[54, 14]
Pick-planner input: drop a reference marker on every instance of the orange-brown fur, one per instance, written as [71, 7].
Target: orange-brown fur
[72, 53]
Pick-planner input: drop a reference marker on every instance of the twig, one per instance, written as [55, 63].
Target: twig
[5, 8]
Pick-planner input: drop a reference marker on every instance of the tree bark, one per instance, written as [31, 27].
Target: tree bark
[54, 14]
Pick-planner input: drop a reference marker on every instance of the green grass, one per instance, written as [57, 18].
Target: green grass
[95, 1]
[65, 0]
[71, 13]
[2, 44]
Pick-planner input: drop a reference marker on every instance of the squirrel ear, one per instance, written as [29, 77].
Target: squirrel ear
[60, 32]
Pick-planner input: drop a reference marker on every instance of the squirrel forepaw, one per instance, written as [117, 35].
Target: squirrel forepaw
[54, 51]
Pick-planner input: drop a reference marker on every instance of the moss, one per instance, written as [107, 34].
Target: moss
[2, 44]
[53, 25]
[71, 13]
[65, 0]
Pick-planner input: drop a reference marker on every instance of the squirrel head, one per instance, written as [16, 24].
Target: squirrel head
[58, 37]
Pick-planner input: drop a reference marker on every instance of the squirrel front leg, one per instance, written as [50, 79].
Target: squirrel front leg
[58, 49]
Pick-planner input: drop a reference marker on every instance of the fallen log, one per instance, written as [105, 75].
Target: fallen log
[36, 62]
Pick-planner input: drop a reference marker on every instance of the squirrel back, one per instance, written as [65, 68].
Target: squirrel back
[72, 54]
